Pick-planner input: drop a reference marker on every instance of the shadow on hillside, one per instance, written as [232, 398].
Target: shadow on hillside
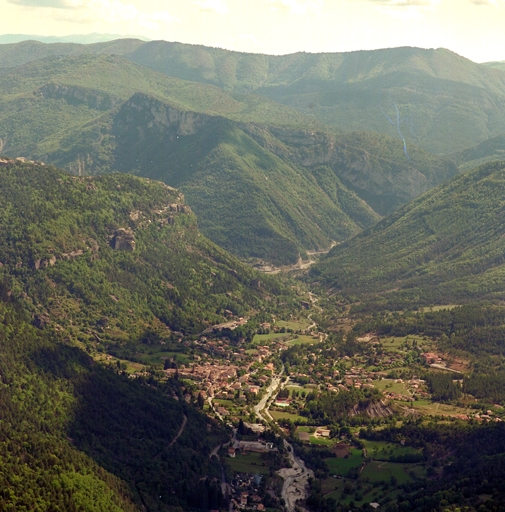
[127, 428]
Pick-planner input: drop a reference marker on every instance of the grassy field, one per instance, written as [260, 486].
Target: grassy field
[322, 442]
[225, 403]
[295, 325]
[435, 408]
[382, 450]
[341, 467]
[260, 338]
[296, 387]
[310, 430]
[391, 386]
[277, 415]
[249, 463]
[438, 308]
[302, 340]
[383, 471]
[156, 354]
[397, 344]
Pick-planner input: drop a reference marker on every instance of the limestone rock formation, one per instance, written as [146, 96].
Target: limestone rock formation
[123, 240]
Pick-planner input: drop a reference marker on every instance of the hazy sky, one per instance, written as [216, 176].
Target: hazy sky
[472, 28]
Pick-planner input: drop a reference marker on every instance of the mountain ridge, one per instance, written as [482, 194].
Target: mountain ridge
[454, 104]
[444, 247]
[89, 125]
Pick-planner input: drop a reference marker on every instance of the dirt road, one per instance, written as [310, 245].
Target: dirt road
[181, 430]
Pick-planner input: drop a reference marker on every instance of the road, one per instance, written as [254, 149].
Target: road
[211, 405]
[295, 485]
[295, 478]
[269, 392]
[181, 430]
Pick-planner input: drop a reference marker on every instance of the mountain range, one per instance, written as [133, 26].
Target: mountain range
[445, 247]
[454, 104]
[93, 113]
[129, 305]
[95, 37]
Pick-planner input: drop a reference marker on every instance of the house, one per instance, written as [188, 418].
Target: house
[430, 357]
[257, 428]
[323, 432]
[231, 452]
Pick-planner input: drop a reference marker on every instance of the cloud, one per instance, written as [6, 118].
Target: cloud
[58, 4]
[243, 43]
[97, 11]
[248, 38]
[409, 9]
[406, 3]
[488, 2]
[218, 6]
[297, 6]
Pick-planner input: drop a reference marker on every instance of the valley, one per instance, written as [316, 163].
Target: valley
[229, 281]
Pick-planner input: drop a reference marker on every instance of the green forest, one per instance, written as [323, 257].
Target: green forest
[77, 436]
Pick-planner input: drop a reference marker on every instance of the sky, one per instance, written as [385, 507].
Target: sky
[472, 28]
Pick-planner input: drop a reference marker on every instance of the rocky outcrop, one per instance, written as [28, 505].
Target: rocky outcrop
[151, 117]
[373, 410]
[123, 240]
[180, 208]
[41, 321]
[376, 177]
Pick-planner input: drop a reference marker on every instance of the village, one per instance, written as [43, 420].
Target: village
[269, 383]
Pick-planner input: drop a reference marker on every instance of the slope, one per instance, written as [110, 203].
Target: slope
[445, 102]
[500, 64]
[297, 186]
[487, 151]
[445, 247]
[435, 99]
[76, 436]
[115, 259]
[259, 190]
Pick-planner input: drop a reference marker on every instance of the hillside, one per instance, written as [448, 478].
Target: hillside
[445, 247]
[77, 436]
[500, 64]
[115, 259]
[487, 151]
[216, 147]
[454, 104]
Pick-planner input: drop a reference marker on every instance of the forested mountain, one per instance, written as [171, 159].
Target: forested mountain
[116, 258]
[266, 181]
[77, 436]
[446, 247]
[500, 64]
[74, 38]
[454, 103]
[487, 151]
